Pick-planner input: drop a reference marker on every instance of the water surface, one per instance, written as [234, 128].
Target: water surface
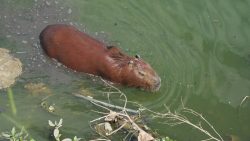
[199, 48]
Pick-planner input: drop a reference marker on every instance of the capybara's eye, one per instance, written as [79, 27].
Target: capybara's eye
[142, 73]
[137, 56]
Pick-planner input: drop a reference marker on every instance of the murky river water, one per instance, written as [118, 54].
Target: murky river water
[201, 50]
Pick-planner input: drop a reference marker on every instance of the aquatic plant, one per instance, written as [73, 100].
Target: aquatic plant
[14, 135]
[56, 132]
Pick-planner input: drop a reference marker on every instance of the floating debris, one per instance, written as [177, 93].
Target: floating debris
[21, 52]
[10, 68]
[51, 109]
[37, 88]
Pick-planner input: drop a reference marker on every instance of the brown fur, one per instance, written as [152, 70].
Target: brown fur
[83, 53]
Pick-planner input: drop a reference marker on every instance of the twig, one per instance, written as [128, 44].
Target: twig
[100, 118]
[117, 91]
[117, 129]
[244, 99]
[94, 101]
[205, 120]
[176, 119]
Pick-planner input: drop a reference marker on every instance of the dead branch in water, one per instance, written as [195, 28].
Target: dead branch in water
[244, 99]
[177, 118]
[94, 101]
[125, 121]
[121, 118]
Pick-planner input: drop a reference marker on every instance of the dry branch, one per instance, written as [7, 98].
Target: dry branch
[106, 104]
[125, 121]
[121, 118]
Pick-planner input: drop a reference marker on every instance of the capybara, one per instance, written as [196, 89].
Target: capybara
[82, 53]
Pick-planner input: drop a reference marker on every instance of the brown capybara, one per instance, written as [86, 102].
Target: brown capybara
[83, 53]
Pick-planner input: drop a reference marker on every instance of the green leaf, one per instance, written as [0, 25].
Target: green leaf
[67, 139]
[51, 124]
[56, 133]
[13, 131]
[60, 122]
[76, 139]
[6, 135]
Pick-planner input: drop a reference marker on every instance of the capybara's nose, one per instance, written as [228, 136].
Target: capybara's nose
[157, 84]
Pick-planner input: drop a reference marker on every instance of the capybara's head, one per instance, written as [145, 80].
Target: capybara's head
[133, 71]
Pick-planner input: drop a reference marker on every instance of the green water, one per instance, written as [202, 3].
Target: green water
[200, 49]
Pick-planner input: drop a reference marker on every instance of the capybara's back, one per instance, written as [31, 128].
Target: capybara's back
[71, 47]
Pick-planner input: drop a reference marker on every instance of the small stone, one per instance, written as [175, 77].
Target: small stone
[47, 3]
[25, 42]
[58, 64]
[8, 36]
[69, 11]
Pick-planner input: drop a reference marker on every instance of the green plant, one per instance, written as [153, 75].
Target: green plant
[13, 135]
[56, 132]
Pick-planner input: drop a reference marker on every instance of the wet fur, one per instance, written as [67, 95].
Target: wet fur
[83, 53]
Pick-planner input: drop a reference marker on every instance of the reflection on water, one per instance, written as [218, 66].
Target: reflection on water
[199, 48]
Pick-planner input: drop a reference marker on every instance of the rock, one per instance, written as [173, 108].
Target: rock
[10, 68]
